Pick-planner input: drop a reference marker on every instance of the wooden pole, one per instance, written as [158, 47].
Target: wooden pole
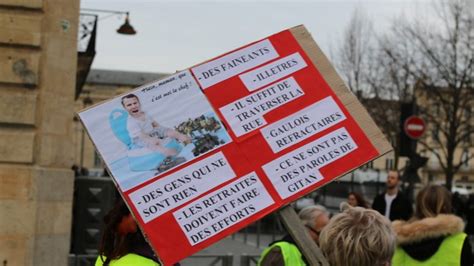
[300, 234]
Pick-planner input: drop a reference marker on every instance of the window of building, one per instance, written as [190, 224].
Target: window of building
[389, 163]
[465, 157]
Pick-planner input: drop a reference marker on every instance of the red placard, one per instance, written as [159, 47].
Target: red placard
[290, 133]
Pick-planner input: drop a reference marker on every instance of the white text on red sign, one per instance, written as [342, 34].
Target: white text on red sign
[223, 208]
[246, 114]
[299, 169]
[227, 66]
[303, 124]
[178, 188]
[273, 71]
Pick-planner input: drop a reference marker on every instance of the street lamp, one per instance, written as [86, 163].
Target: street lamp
[87, 37]
[126, 28]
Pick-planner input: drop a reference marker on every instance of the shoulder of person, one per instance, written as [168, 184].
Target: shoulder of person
[134, 259]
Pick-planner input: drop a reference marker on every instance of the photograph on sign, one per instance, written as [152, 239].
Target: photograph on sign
[154, 129]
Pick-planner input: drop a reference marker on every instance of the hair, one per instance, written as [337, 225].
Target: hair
[361, 202]
[395, 171]
[357, 237]
[433, 200]
[112, 244]
[309, 214]
[129, 96]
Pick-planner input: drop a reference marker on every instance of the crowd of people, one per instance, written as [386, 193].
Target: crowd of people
[387, 233]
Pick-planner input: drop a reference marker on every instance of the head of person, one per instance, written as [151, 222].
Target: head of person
[431, 201]
[356, 200]
[314, 217]
[358, 237]
[393, 179]
[120, 232]
[131, 103]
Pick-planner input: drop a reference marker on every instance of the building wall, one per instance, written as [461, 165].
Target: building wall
[432, 171]
[38, 57]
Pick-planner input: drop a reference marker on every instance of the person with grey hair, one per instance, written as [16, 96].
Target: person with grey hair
[358, 237]
[285, 251]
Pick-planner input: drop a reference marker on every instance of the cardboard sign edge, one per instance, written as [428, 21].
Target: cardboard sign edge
[350, 101]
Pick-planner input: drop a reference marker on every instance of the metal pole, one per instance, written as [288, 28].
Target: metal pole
[104, 11]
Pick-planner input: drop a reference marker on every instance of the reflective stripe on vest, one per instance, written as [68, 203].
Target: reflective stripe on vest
[449, 253]
[291, 254]
[128, 260]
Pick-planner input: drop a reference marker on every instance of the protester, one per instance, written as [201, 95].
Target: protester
[433, 236]
[357, 237]
[285, 251]
[470, 215]
[459, 205]
[393, 204]
[356, 200]
[122, 244]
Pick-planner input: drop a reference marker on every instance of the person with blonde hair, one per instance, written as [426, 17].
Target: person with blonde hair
[434, 236]
[357, 237]
[284, 251]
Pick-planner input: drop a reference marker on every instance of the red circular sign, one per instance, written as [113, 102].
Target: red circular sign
[414, 127]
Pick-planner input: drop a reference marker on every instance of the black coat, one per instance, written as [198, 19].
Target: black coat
[401, 208]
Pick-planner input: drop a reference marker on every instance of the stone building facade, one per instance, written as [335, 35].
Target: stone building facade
[38, 58]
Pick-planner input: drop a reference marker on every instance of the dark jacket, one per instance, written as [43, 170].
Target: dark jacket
[420, 239]
[401, 208]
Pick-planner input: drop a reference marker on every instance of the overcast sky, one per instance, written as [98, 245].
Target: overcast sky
[174, 35]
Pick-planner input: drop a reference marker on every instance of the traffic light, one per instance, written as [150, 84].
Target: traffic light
[411, 171]
[407, 145]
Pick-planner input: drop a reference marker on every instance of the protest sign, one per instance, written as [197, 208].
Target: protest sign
[211, 149]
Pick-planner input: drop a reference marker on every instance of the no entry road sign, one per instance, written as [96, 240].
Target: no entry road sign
[414, 127]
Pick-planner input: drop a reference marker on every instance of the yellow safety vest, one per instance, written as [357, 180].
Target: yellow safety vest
[128, 260]
[449, 253]
[291, 254]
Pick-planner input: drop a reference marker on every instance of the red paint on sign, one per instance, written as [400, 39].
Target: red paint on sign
[295, 136]
[414, 127]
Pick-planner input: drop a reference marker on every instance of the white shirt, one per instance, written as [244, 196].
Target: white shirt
[388, 204]
[136, 126]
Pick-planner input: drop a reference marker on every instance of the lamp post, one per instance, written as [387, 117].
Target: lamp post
[87, 37]
[126, 28]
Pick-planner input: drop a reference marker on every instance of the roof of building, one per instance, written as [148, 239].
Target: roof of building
[118, 77]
